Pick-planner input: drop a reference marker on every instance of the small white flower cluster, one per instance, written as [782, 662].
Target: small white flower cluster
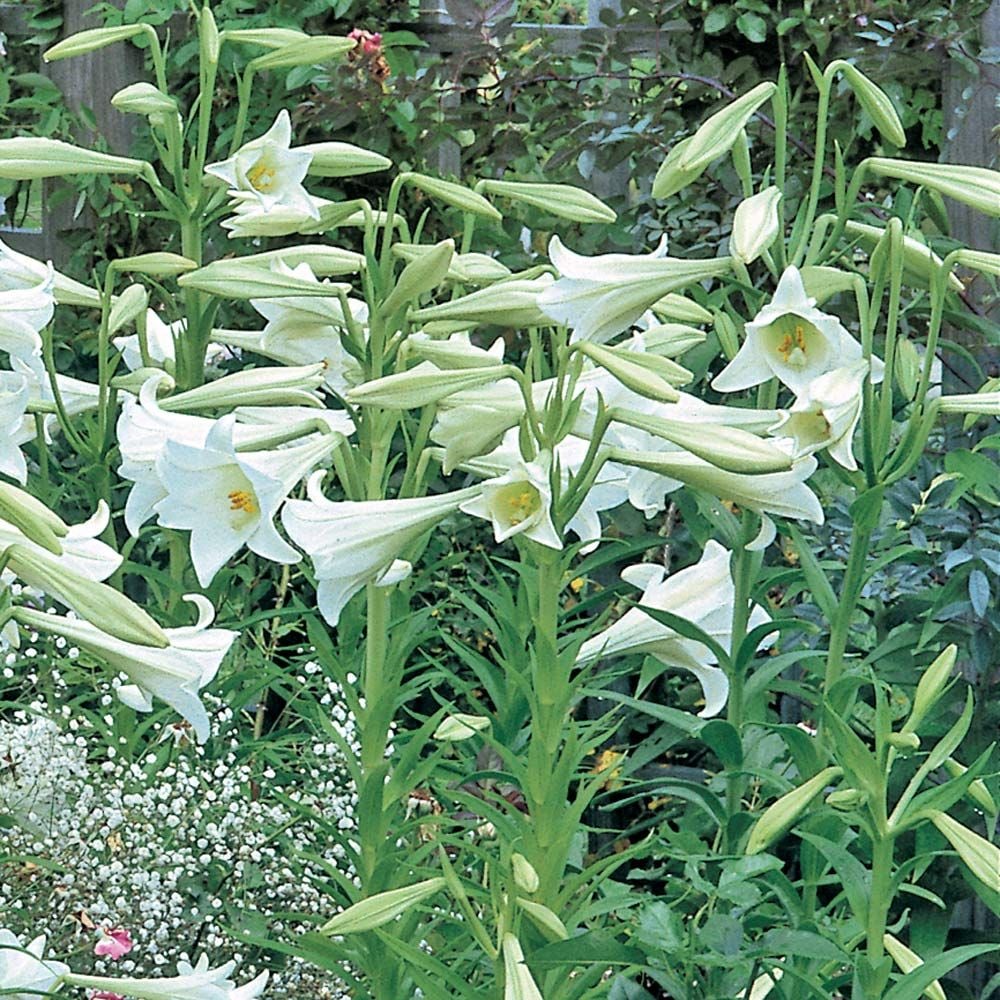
[171, 847]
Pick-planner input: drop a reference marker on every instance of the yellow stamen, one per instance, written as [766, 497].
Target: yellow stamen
[789, 344]
[262, 177]
[242, 500]
[520, 506]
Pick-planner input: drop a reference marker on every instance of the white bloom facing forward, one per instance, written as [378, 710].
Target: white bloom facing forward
[267, 172]
[22, 967]
[792, 340]
[703, 594]
[174, 674]
[228, 499]
[197, 982]
[355, 542]
[600, 297]
[826, 414]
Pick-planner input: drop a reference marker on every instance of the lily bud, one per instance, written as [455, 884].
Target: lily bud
[289, 385]
[380, 909]
[930, 687]
[457, 727]
[718, 133]
[671, 340]
[875, 101]
[143, 99]
[544, 919]
[907, 367]
[563, 200]
[519, 984]
[421, 275]
[822, 283]
[978, 791]
[453, 194]
[235, 279]
[906, 961]
[315, 49]
[29, 158]
[725, 330]
[975, 186]
[678, 307]
[507, 303]
[208, 37]
[99, 604]
[669, 371]
[423, 385]
[756, 225]
[342, 159]
[455, 352]
[780, 816]
[156, 265]
[32, 518]
[847, 798]
[671, 177]
[920, 263]
[633, 376]
[269, 38]
[131, 303]
[91, 40]
[983, 403]
[525, 876]
[980, 856]
[979, 260]
[324, 261]
[904, 741]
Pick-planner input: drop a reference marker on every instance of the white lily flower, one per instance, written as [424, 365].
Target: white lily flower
[159, 340]
[826, 414]
[702, 594]
[197, 982]
[18, 270]
[18, 428]
[24, 312]
[22, 967]
[77, 395]
[518, 503]
[792, 340]
[269, 171]
[355, 542]
[251, 220]
[599, 297]
[174, 674]
[228, 499]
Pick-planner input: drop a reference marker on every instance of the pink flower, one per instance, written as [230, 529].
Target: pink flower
[115, 942]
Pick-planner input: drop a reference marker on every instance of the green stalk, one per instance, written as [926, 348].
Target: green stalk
[817, 172]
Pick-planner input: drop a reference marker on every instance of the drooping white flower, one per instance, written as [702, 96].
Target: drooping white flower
[174, 674]
[826, 413]
[77, 395]
[355, 542]
[792, 340]
[703, 594]
[159, 341]
[197, 982]
[228, 499]
[251, 220]
[23, 967]
[599, 297]
[24, 312]
[15, 428]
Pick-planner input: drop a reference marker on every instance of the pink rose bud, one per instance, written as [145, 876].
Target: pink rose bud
[115, 942]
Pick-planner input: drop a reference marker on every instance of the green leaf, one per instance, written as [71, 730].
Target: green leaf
[753, 27]
[854, 877]
[913, 984]
[856, 759]
[594, 946]
[819, 585]
[865, 511]
[717, 19]
[689, 630]
[724, 741]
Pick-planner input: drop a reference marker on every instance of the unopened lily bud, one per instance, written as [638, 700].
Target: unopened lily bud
[29, 158]
[978, 791]
[846, 798]
[380, 909]
[930, 687]
[131, 303]
[236, 279]
[91, 40]
[133, 381]
[906, 961]
[563, 200]
[99, 604]
[32, 518]
[453, 194]
[875, 101]
[728, 448]
[980, 260]
[315, 49]
[903, 741]
[291, 385]
[678, 307]
[507, 303]
[156, 265]
[669, 371]
[756, 224]
[269, 38]
[822, 283]
[631, 375]
[143, 99]
[975, 186]
[422, 386]
[780, 816]
[342, 159]
[525, 876]
[457, 727]
[324, 261]
[671, 340]
[519, 984]
[718, 133]
[907, 366]
[671, 177]
[920, 263]
[421, 275]
[980, 856]
[455, 352]
[209, 42]
[725, 330]
[544, 919]
[985, 404]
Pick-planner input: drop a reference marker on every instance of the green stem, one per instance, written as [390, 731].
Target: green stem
[880, 899]
[822, 113]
